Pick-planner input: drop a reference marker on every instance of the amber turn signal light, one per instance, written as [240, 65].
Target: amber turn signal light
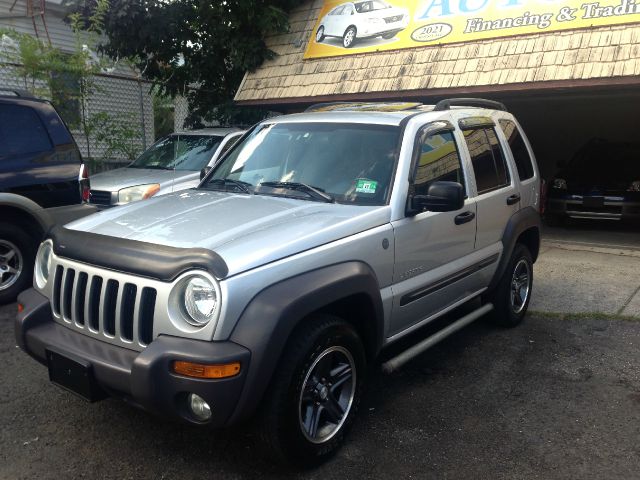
[199, 370]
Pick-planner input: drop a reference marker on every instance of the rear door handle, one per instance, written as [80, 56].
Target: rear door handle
[464, 218]
[513, 199]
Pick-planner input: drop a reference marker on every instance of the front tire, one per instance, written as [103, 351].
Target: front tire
[320, 34]
[17, 256]
[349, 37]
[512, 294]
[315, 393]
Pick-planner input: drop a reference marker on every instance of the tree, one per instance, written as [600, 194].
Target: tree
[196, 48]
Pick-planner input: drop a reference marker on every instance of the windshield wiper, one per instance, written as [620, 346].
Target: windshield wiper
[242, 186]
[313, 192]
[150, 167]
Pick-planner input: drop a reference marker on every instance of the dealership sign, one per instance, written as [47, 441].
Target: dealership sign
[378, 25]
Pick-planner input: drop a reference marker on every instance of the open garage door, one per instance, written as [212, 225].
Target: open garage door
[587, 142]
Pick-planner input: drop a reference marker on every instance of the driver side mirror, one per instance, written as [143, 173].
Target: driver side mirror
[204, 172]
[440, 197]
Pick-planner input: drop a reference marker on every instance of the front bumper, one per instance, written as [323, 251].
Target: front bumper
[142, 378]
[594, 207]
[376, 30]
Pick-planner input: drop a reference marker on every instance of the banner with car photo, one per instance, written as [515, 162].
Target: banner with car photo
[345, 28]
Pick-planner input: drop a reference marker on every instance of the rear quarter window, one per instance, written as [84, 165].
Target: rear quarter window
[521, 156]
[22, 131]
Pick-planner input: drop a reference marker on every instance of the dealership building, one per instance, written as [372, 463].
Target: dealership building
[569, 70]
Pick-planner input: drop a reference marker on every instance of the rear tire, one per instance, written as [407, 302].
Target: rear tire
[512, 294]
[17, 256]
[315, 392]
[349, 37]
[320, 34]
[389, 36]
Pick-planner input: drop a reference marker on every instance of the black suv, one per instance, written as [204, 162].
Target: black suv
[41, 175]
[602, 181]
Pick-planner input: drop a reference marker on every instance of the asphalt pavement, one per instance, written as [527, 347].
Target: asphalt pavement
[551, 399]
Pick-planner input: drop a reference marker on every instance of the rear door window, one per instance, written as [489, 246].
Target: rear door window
[21, 131]
[518, 148]
[487, 158]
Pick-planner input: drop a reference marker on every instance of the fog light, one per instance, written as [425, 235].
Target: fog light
[199, 408]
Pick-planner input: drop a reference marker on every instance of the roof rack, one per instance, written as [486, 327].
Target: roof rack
[363, 107]
[15, 93]
[447, 103]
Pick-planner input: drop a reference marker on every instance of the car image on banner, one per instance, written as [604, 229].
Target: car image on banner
[357, 20]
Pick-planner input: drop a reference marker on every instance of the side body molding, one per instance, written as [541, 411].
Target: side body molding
[267, 322]
[525, 219]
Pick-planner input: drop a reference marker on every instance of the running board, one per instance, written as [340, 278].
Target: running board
[399, 360]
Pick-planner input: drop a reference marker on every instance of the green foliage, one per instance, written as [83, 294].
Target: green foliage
[183, 44]
[33, 61]
[117, 135]
[163, 116]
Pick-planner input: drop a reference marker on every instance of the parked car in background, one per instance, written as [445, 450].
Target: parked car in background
[602, 181]
[172, 164]
[321, 239]
[42, 182]
[356, 20]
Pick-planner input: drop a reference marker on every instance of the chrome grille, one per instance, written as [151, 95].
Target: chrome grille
[394, 19]
[99, 197]
[119, 311]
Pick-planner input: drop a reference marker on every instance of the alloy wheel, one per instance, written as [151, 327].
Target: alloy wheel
[520, 285]
[327, 394]
[11, 264]
[349, 37]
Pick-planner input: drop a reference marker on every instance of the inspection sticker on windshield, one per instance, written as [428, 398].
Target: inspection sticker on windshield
[366, 186]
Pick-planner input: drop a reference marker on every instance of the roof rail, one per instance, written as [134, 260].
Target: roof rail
[14, 92]
[447, 103]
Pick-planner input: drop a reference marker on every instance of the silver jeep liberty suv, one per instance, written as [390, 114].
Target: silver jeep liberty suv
[318, 240]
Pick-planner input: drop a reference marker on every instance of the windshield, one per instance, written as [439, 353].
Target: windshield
[370, 6]
[179, 152]
[349, 163]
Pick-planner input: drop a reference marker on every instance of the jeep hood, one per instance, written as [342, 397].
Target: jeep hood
[245, 230]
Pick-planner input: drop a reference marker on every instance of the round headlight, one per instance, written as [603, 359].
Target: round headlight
[200, 300]
[43, 264]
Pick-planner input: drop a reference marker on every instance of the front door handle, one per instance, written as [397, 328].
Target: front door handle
[513, 199]
[464, 218]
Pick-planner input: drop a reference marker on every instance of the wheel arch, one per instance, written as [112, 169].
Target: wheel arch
[523, 227]
[273, 315]
[353, 25]
[21, 211]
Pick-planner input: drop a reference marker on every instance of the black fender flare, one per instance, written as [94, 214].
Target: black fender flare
[269, 319]
[525, 219]
[29, 207]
